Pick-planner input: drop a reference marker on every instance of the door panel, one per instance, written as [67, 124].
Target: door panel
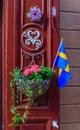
[37, 53]
[40, 125]
[18, 29]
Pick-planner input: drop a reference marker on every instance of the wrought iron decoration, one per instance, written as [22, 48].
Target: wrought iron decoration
[33, 37]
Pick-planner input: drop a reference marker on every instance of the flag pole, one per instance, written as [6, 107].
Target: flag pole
[57, 52]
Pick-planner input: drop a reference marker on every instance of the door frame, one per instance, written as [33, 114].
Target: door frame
[1, 88]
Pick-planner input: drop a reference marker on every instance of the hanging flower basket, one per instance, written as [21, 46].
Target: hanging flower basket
[36, 88]
[34, 14]
[32, 82]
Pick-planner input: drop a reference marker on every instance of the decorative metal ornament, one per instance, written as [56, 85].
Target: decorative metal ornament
[31, 58]
[33, 39]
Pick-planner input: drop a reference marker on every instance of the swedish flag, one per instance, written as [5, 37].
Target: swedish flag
[61, 62]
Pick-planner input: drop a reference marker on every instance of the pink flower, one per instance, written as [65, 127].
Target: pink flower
[27, 72]
[35, 68]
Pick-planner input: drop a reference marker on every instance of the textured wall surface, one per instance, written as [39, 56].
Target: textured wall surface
[70, 96]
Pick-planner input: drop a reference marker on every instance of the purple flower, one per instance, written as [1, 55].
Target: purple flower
[35, 14]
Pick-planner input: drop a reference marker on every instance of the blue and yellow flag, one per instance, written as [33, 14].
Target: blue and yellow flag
[61, 62]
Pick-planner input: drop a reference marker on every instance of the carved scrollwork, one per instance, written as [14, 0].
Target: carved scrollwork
[33, 39]
[32, 58]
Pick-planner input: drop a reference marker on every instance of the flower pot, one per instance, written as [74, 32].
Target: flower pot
[37, 88]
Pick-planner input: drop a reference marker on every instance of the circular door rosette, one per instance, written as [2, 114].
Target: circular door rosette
[32, 37]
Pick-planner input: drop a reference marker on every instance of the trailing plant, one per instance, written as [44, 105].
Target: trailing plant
[32, 82]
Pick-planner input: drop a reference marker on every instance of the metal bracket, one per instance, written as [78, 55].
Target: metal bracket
[55, 124]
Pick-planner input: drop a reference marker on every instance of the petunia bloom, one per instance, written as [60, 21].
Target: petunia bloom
[27, 72]
[35, 68]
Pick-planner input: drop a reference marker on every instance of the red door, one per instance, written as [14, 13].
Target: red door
[29, 42]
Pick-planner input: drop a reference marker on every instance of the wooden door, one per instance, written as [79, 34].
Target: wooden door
[16, 53]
